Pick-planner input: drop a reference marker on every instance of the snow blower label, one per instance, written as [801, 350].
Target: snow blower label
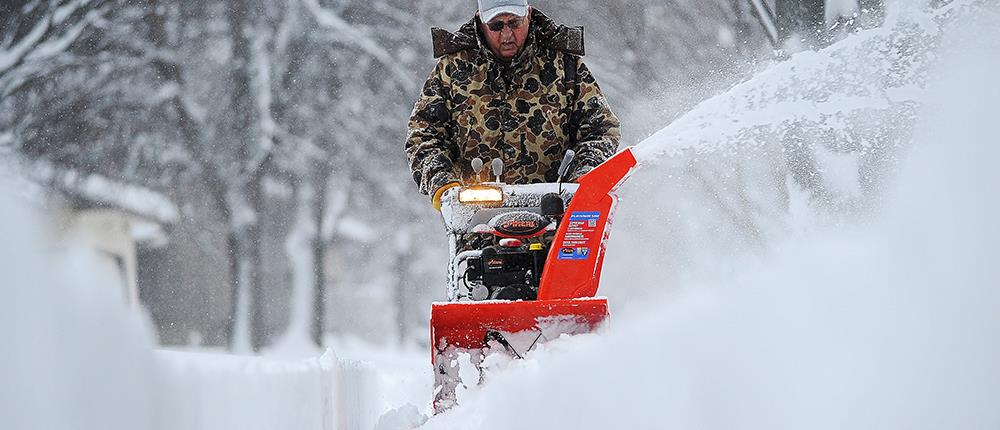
[582, 228]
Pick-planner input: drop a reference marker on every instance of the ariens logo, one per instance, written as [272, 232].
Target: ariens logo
[519, 225]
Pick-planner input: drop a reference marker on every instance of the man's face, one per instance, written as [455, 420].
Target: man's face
[504, 40]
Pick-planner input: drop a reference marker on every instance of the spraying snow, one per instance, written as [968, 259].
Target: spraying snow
[888, 324]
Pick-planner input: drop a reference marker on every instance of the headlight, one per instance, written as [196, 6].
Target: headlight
[481, 194]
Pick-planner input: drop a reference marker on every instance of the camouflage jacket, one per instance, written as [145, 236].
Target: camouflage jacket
[527, 111]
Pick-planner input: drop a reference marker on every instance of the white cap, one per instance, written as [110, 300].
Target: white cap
[489, 9]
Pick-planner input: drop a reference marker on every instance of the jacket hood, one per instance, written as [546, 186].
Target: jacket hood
[547, 33]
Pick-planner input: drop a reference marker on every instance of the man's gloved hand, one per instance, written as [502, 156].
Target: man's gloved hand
[436, 199]
[574, 178]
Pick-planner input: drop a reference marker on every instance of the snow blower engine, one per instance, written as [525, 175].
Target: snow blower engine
[525, 265]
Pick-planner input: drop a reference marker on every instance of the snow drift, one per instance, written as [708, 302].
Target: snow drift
[886, 323]
[76, 357]
[72, 356]
[215, 391]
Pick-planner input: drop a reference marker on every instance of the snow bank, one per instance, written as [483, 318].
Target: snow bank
[214, 391]
[890, 324]
[73, 357]
[76, 357]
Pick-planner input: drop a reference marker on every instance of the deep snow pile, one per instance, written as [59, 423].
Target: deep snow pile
[76, 357]
[72, 358]
[216, 391]
[884, 324]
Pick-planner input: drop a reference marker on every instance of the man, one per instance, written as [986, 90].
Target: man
[509, 84]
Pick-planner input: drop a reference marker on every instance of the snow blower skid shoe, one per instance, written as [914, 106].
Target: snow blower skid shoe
[533, 274]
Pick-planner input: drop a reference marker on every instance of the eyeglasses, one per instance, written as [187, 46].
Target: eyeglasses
[498, 25]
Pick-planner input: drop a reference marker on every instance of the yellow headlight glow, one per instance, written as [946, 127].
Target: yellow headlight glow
[480, 194]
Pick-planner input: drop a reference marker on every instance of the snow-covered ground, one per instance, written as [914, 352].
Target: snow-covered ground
[754, 285]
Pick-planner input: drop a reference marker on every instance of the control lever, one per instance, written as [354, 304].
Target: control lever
[497, 166]
[553, 206]
[477, 167]
[564, 166]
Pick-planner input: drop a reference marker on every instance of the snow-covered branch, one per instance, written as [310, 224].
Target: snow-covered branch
[46, 37]
[13, 55]
[39, 50]
[100, 189]
[351, 36]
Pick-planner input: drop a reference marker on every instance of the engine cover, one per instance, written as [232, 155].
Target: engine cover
[519, 224]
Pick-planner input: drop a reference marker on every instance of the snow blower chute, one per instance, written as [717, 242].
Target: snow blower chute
[525, 266]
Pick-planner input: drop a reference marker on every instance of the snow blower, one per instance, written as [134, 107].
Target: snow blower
[535, 273]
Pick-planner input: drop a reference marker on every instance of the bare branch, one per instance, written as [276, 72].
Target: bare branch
[350, 35]
[46, 37]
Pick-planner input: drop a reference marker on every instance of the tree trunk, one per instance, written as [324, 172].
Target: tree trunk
[244, 127]
[322, 178]
[306, 252]
[170, 71]
[404, 259]
[259, 333]
[233, 260]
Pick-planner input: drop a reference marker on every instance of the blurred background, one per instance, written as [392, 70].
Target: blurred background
[239, 163]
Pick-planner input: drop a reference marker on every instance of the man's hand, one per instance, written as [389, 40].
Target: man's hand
[436, 199]
[574, 176]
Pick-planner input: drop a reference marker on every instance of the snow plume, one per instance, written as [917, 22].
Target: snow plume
[890, 324]
[73, 357]
[815, 140]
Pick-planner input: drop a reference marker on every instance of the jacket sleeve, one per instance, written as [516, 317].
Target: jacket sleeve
[429, 150]
[597, 130]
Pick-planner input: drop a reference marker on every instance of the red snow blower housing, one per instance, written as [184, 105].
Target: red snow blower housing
[536, 276]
